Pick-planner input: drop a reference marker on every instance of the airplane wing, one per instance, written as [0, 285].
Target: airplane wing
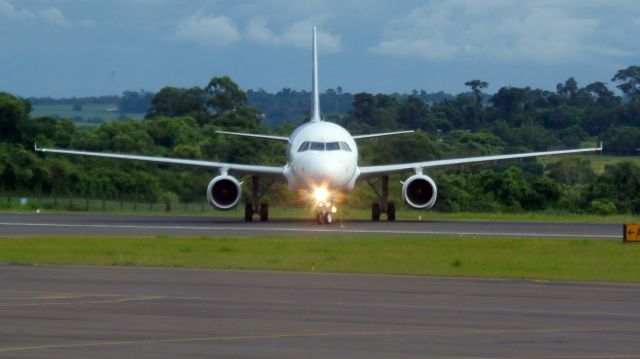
[358, 137]
[264, 137]
[373, 171]
[240, 169]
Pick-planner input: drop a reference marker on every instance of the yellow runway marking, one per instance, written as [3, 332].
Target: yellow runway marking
[56, 297]
[119, 299]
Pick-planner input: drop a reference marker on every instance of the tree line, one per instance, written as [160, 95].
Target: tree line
[182, 123]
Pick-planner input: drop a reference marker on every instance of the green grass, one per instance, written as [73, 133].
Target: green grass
[546, 259]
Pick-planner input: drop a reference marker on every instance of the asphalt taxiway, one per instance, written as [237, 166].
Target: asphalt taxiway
[32, 224]
[120, 312]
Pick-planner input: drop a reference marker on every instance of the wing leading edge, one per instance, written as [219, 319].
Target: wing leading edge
[231, 167]
[372, 171]
[255, 135]
[358, 137]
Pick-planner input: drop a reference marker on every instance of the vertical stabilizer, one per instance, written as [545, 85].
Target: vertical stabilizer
[315, 95]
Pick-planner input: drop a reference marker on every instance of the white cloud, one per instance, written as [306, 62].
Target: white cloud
[208, 31]
[504, 31]
[7, 10]
[151, 3]
[54, 16]
[296, 35]
[51, 16]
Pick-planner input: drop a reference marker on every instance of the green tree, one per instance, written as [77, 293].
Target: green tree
[603, 96]
[617, 184]
[510, 186]
[572, 172]
[364, 105]
[568, 89]
[135, 102]
[622, 140]
[224, 95]
[413, 113]
[629, 79]
[13, 115]
[509, 101]
[172, 101]
[477, 86]
[543, 193]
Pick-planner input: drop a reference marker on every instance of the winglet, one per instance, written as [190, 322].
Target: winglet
[38, 149]
[315, 96]
[601, 146]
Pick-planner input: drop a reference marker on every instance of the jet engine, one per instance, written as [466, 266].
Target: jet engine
[419, 191]
[224, 192]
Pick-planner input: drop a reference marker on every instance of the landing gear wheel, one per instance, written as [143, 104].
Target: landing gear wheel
[248, 212]
[375, 212]
[319, 218]
[327, 218]
[391, 212]
[264, 212]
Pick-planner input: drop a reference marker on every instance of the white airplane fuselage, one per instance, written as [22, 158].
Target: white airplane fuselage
[321, 154]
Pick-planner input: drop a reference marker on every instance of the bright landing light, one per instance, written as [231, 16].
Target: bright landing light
[321, 195]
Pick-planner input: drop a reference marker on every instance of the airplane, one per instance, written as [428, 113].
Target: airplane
[322, 164]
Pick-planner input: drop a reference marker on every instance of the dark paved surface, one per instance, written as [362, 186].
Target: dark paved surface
[104, 224]
[114, 312]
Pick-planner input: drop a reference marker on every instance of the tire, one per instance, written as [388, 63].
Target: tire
[375, 212]
[328, 218]
[264, 212]
[248, 212]
[391, 212]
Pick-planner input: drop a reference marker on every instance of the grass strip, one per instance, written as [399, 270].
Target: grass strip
[547, 259]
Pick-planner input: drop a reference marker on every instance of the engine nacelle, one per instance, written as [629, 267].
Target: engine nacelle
[224, 192]
[420, 192]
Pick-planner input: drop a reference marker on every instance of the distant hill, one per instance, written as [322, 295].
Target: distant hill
[286, 105]
[292, 106]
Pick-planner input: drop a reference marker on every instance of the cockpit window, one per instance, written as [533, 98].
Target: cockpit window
[345, 147]
[321, 146]
[333, 146]
[304, 146]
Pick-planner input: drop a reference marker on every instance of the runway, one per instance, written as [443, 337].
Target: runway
[31, 224]
[119, 312]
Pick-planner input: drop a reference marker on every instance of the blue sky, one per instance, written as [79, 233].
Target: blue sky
[64, 48]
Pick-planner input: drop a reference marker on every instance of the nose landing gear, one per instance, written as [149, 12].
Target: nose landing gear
[325, 213]
[324, 217]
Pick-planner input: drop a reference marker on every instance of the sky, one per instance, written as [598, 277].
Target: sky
[66, 48]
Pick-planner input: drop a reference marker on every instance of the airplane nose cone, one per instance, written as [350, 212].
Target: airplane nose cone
[332, 172]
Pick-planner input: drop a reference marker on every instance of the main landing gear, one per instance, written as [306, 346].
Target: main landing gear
[255, 207]
[263, 212]
[383, 205]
